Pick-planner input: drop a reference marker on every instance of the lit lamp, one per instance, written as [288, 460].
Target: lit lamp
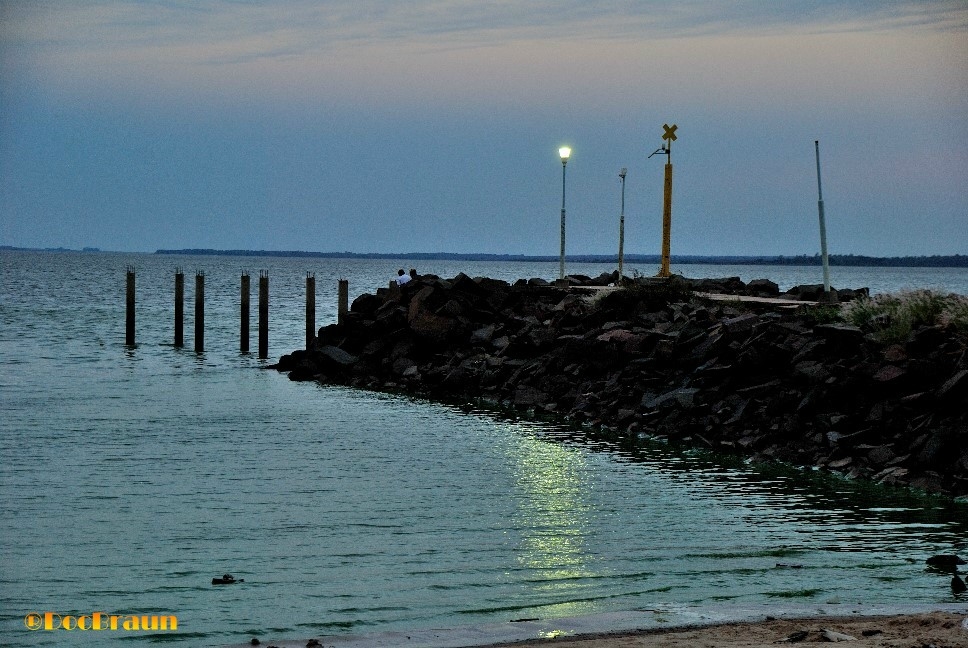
[565, 153]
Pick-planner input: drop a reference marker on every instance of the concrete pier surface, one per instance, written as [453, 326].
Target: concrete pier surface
[663, 622]
[747, 299]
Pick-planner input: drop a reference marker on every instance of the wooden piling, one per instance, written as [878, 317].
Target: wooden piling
[129, 311]
[199, 312]
[244, 315]
[263, 314]
[179, 308]
[342, 302]
[310, 310]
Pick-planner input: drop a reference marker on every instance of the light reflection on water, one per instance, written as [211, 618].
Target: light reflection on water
[553, 516]
[132, 476]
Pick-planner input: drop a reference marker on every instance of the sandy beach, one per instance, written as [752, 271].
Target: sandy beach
[939, 629]
[943, 626]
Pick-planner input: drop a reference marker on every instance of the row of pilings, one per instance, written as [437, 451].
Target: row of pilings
[244, 310]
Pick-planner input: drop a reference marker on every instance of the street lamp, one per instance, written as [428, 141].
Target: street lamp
[565, 153]
[621, 226]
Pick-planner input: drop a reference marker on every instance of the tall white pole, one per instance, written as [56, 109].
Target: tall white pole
[561, 263]
[621, 227]
[823, 226]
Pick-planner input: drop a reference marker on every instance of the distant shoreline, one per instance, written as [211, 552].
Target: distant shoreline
[933, 261]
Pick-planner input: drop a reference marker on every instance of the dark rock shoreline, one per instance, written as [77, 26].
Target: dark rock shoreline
[767, 381]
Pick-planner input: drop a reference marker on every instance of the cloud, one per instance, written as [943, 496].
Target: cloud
[446, 52]
[224, 31]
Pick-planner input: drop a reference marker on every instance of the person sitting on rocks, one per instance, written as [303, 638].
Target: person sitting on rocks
[413, 273]
[402, 277]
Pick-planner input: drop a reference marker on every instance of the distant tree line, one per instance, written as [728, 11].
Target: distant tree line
[934, 261]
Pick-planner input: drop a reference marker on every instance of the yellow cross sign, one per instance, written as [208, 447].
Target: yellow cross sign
[670, 132]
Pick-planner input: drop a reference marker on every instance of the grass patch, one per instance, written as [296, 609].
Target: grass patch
[823, 314]
[892, 317]
[656, 293]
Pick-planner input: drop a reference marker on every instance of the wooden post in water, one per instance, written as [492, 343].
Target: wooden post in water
[179, 308]
[342, 301]
[199, 312]
[310, 309]
[263, 314]
[129, 310]
[244, 315]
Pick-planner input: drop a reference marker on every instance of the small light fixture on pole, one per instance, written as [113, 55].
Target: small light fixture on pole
[565, 153]
[621, 226]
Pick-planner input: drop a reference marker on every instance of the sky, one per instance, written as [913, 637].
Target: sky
[434, 125]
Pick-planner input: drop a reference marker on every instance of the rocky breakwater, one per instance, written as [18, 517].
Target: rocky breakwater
[790, 384]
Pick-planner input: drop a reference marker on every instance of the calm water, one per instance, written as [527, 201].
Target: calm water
[131, 477]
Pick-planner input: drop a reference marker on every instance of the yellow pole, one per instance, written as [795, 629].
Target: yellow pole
[666, 222]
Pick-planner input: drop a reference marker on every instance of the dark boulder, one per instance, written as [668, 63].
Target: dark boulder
[763, 288]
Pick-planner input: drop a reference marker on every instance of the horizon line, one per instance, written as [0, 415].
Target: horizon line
[935, 260]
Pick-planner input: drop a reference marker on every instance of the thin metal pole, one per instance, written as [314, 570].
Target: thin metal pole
[621, 227]
[823, 225]
[561, 263]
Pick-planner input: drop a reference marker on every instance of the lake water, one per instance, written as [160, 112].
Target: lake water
[132, 476]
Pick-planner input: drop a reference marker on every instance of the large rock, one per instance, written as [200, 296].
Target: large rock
[839, 332]
[955, 389]
[336, 355]
[763, 288]
[366, 304]
[424, 322]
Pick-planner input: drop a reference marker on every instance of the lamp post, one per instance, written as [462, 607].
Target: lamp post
[621, 226]
[565, 153]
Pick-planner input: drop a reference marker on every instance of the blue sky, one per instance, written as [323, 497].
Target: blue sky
[434, 125]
